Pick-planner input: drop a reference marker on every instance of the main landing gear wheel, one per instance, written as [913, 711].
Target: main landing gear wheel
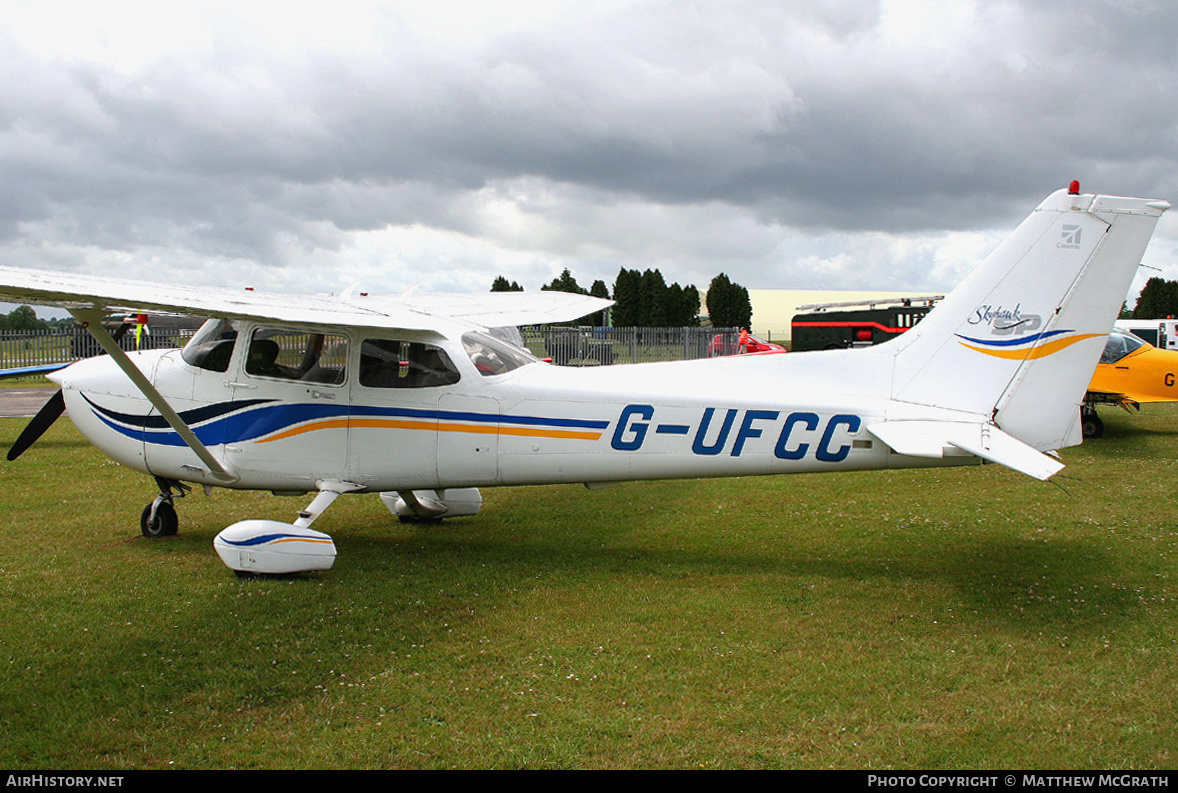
[163, 523]
[1090, 423]
[414, 519]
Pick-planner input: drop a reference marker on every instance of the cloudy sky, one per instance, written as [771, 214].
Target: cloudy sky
[840, 144]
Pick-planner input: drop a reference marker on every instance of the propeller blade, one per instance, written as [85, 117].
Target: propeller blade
[44, 419]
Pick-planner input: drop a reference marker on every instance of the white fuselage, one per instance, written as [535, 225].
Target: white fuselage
[537, 424]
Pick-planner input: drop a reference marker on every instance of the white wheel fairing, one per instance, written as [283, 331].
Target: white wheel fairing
[274, 548]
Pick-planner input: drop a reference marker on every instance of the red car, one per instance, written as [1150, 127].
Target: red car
[747, 343]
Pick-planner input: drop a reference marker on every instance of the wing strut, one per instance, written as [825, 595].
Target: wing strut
[91, 319]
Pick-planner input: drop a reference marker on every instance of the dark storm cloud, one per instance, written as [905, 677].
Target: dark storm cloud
[765, 121]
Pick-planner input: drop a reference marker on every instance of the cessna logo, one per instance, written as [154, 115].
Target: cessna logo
[1069, 237]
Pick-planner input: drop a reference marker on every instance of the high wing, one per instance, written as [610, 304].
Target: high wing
[501, 309]
[88, 298]
[86, 292]
[1119, 398]
[1130, 397]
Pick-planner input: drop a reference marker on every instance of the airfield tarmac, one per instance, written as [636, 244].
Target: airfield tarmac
[23, 402]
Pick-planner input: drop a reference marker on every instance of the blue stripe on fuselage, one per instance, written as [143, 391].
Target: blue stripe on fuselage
[234, 422]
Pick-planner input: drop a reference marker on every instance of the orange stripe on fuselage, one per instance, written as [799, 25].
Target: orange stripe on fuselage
[431, 426]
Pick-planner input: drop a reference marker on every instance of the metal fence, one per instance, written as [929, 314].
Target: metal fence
[565, 346]
[589, 346]
[64, 345]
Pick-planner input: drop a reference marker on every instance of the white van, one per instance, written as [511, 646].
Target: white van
[1161, 333]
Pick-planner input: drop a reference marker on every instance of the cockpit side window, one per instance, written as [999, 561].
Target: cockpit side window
[287, 354]
[1118, 346]
[391, 363]
[492, 356]
[212, 346]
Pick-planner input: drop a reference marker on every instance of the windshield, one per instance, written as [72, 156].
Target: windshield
[1119, 345]
[212, 346]
[492, 356]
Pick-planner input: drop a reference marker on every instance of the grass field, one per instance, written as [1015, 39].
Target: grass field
[953, 618]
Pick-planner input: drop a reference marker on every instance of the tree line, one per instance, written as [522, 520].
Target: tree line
[645, 300]
[25, 318]
[1158, 300]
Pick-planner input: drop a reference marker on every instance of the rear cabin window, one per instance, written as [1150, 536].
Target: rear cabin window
[212, 346]
[297, 355]
[388, 363]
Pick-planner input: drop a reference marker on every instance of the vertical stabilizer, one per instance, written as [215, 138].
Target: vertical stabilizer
[1018, 341]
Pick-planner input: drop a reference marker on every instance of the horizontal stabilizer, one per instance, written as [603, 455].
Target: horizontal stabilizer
[944, 438]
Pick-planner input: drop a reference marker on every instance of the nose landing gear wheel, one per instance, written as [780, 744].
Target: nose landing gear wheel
[159, 520]
[159, 517]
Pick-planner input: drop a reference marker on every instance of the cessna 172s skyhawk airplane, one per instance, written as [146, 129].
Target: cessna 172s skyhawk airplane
[413, 399]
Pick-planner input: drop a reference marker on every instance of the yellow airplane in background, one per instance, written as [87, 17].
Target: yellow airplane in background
[1131, 371]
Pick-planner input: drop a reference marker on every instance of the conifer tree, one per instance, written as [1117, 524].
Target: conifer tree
[728, 303]
[1158, 300]
[627, 288]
